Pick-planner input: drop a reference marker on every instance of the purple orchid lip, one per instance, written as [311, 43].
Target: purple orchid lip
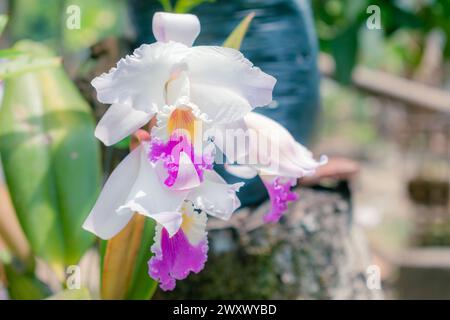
[280, 194]
[176, 258]
[169, 153]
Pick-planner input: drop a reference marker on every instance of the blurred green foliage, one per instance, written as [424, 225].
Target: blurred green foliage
[348, 114]
[16, 62]
[24, 285]
[46, 129]
[341, 27]
[50, 158]
[234, 40]
[45, 21]
[181, 6]
[141, 286]
[436, 233]
[128, 279]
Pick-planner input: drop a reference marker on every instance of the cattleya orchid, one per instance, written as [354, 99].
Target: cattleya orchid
[169, 177]
[279, 164]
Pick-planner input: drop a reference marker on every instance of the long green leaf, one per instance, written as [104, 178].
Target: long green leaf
[3, 22]
[167, 5]
[50, 158]
[22, 284]
[24, 64]
[344, 48]
[142, 286]
[124, 262]
[10, 231]
[235, 38]
[183, 6]
[10, 53]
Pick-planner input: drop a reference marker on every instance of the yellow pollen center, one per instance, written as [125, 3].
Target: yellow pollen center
[181, 119]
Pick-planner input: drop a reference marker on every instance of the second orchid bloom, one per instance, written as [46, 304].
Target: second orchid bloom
[197, 95]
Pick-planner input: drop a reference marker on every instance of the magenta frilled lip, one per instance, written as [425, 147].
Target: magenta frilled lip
[176, 258]
[169, 153]
[280, 194]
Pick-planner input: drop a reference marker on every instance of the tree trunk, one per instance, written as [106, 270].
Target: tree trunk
[313, 253]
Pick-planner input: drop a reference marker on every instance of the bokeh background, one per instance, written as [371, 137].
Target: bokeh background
[385, 107]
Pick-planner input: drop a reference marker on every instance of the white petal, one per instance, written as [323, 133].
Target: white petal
[182, 28]
[103, 219]
[160, 131]
[119, 121]
[275, 150]
[194, 224]
[150, 197]
[187, 177]
[225, 73]
[215, 196]
[139, 79]
[241, 171]
[170, 220]
[178, 90]
[231, 139]
[221, 104]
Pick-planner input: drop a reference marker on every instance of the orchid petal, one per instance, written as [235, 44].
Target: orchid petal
[170, 220]
[215, 196]
[119, 121]
[280, 195]
[177, 162]
[103, 219]
[231, 139]
[187, 177]
[178, 90]
[150, 197]
[182, 28]
[220, 104]
[241, 171]
[140, 79]
[222, 78]
[282, 155]
[186, 251]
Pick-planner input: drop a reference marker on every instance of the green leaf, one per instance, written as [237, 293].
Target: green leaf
[344, 48]
[3, 22]
[23, 285]
[50, 158]
[142, 287]
[183, 6]
[124, 262]
[72, 294]
[123, 144]
[26, 63]
[11, 233]
[235, 38]
[10, 53]
[167, 5]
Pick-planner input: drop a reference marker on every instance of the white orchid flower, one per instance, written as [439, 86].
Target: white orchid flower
[175, 257]
[167, 178]
[134, 186]
[180, 240]
[177, 81]
[184, 87]
[218, 83]
[277, 158]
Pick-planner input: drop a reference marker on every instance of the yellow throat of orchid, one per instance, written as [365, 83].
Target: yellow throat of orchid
[182, 120]
[188, 221]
